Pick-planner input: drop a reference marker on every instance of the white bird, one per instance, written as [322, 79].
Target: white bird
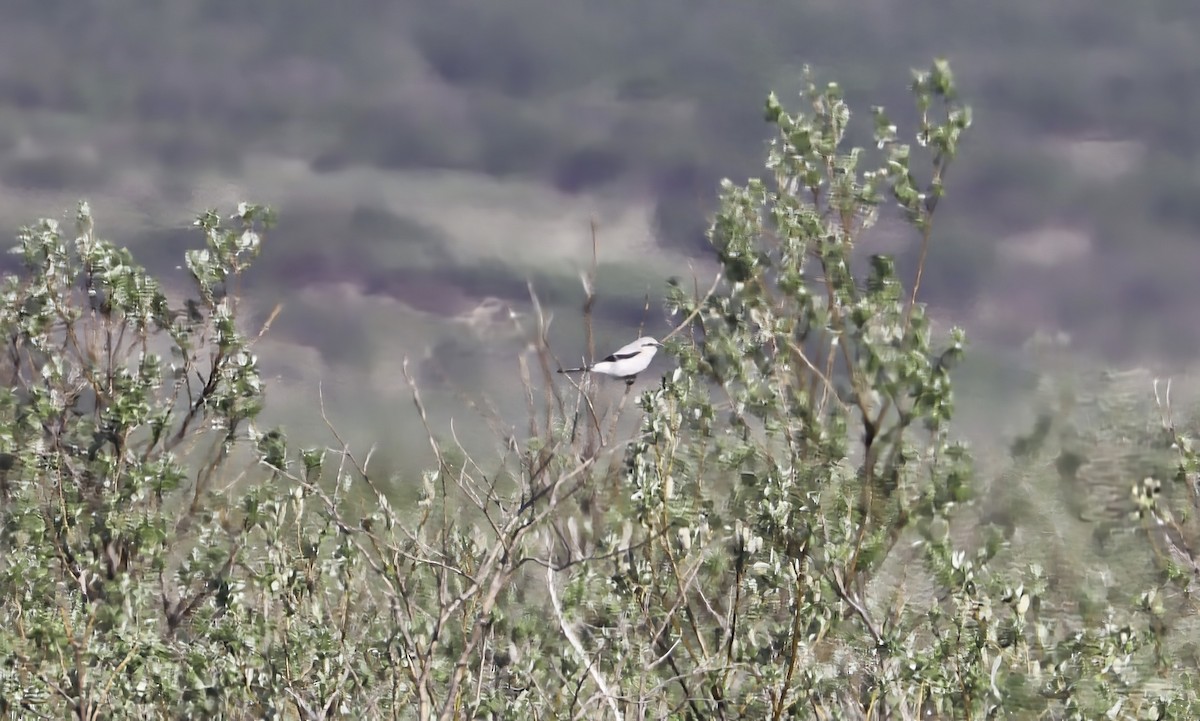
[625, 363]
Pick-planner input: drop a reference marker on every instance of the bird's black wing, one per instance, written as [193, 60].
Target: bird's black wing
[620, 356]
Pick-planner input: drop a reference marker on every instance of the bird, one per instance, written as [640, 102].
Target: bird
[625, 363]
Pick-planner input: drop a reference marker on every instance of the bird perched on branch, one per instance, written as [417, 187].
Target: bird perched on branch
[625, 363]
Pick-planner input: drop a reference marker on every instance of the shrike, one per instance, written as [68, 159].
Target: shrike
[625, 363]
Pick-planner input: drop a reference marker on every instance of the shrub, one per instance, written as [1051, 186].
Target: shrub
[790, 531]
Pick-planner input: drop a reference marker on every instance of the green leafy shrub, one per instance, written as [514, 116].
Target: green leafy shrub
[789, 531]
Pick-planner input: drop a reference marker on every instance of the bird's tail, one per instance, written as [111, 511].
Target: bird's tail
[572, 370]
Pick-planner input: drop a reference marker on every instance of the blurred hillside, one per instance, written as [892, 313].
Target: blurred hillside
[428, 157]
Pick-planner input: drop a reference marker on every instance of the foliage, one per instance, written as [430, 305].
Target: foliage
[789, 531]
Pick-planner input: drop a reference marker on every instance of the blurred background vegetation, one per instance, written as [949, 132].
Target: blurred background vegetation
[428, 158]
